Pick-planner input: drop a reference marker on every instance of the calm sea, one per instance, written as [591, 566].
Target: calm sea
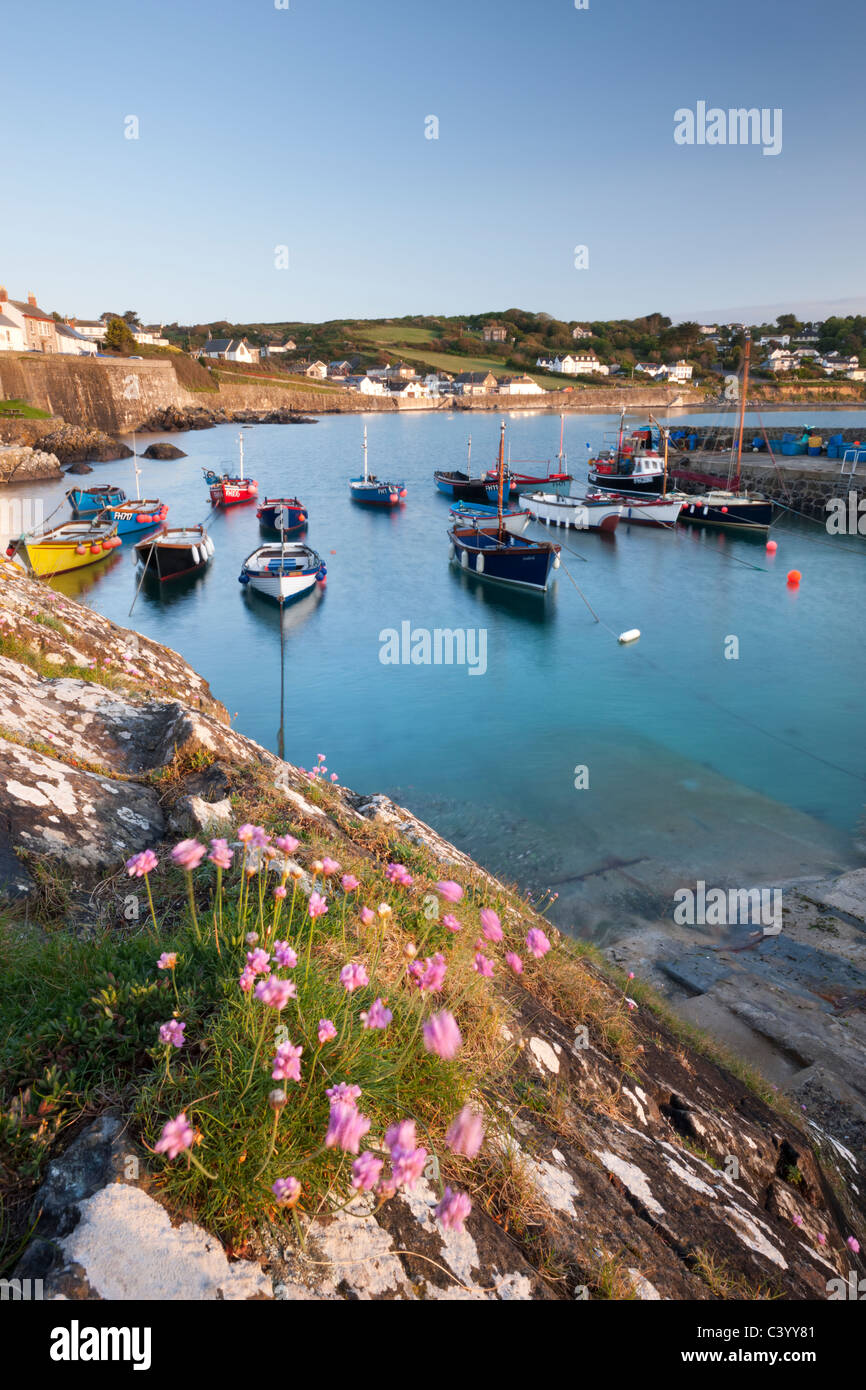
[696, 766]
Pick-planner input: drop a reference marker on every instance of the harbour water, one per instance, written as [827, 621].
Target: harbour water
[698, 766]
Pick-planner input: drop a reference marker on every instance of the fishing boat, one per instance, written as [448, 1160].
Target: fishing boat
[174, 551]
[495, 554]
[477, 514]
[283, 572]
[284, 514]
[650, 511]
[732, 509]
[227, 490]
[89, 501]
[372, 491]
[558, 482]
[594, 512]
[134, 517]
[462, 487]
[70, 546]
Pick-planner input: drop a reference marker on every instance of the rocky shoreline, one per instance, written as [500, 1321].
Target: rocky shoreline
[666, 1177]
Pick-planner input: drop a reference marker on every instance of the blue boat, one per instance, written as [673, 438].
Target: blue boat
[88, 501]
[372, 491]
[496, 554]
[283, 514]
[477, 513]
[136, 517]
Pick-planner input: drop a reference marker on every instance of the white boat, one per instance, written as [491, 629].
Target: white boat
[593, 512]
[476, 514]
[283, 572]
[651, 511]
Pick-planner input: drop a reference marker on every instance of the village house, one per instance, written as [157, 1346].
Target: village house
[474, 383]
[779, 339]
[580, 364]
[439, 384]
[339, 369]
[838, 362]
[276, 349]
[94, 329]
[151, 336]
[40, 334]
[655, 370]
[520, 386]
[12, 335]
[407, 390]
[495, 333]
[708, 329]
[781, 361]
[401, 372]
[316, 369]
[365, 385]
[580, 332]
[680, 371]
[230, 350]
[73, 343]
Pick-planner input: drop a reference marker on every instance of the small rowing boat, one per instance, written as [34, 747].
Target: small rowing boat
[88, 501]
[283, 572]
[284, 514]
[70, 546]
[594, 512]
[175, 551]
[476, 514]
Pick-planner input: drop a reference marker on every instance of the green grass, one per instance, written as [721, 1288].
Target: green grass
[21, 409]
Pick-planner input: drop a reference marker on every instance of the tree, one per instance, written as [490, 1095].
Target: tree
[131, 317]
[118, 337]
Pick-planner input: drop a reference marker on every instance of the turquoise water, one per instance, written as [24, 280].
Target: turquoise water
[698, 767]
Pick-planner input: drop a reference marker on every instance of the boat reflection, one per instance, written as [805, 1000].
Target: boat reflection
[75, 583]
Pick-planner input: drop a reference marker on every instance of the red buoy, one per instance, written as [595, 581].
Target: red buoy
[794, 577]
[772, 547]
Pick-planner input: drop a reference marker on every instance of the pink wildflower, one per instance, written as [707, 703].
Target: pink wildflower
[346, 1127]
[287, 844]
[398, 873]
[450, 891]
[365, 1171]
[377, 1016]
[188, 854]
[318, 906]
[287, 1191]
[287, 1063]
[367, 916]
[482, 965]
[515, 962]
[465, 1133]
[353, 976]
[284, 955]
[329, 866]
[167, 961]
[442, 1036]
[490, 924]
[246, 832]
[259, 961]
[349, 883]
[176, 1136]
[221, 854]
[434, 973]
[453, 1210]
[247, 980]
[451, 922]
[537, 943]
[172, 1032]
[853, 1245]
[280, 892]
[344, 1092]
[327, 1030]
[141, 864]
[274, 992]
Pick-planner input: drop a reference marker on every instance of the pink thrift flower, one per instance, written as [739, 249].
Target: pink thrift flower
[287, 844]
[327, 1030]
[247, 980]
[482, 965]
[450, 891]
[365, 1171]
[442, 1036]
[176, 1136]
[246, 832]
[344, 1092]
[287, 1063]
[822, 1239]
[167, 961]
[377, 1016]
[407, 1168]
[353, 976]
[630, 1002]
[280, 892]
[334, 777]
[434, 973]
[260, 837]
[490, 924]
[400, 1138]
[221, 854]
[453, 1210]
[398, 873]
[346, 1127]
[172, 1032]
[141, 864]
[451, 922]
[259, 961]
[537, 943]
[853, 1245]
[318, 906]
[515, 962]
[287, 1191]
[349, 883]
[329, 866]
[188, 854]
[276, 993]
[465, 1133]
[285, 957]
[367, 916]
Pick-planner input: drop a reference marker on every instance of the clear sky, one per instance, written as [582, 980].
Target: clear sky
[304, 127]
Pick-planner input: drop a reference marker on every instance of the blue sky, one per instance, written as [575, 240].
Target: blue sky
[305, 127]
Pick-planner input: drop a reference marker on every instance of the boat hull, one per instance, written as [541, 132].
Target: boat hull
[85, 501]
[282, 573]
[283, 514]
[68, 547]
[518, 563]
[172, 554]
[232, 491]
[464, 514]
[579, 513]
[461, 487]
[137, 518]
[372, 493]
[629, 484]
[517, 483]
[727, 511]
[650, 511]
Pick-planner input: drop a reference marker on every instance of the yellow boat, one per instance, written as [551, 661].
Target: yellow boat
[68, 547]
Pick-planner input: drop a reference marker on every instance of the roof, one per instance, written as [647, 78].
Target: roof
[218, 344]
[31, 311]
[472, 376]
[90, 323]
[8, 323]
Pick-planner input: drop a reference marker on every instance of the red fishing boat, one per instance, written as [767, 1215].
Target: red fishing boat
[227, 491]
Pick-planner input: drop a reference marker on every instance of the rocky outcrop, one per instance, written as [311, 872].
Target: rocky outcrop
[668, 1179]
[75, 444]
[163, 451]
[23, 464]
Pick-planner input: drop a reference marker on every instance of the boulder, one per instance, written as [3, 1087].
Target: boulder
[163, 451]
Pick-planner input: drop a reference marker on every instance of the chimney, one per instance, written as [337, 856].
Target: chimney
[31, 300]
[3, 295]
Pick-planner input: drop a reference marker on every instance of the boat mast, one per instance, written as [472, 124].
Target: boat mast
[500, 472]
[743, 406]
[469, 458]
[561, 432]
[137, 469]
[365, 453]
[241, 443]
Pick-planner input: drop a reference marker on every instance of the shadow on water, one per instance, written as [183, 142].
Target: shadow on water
[76, 583]
[525, 605]
[287, 619]
[167, 593]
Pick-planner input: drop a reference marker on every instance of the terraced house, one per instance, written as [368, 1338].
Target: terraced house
[40, 333]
